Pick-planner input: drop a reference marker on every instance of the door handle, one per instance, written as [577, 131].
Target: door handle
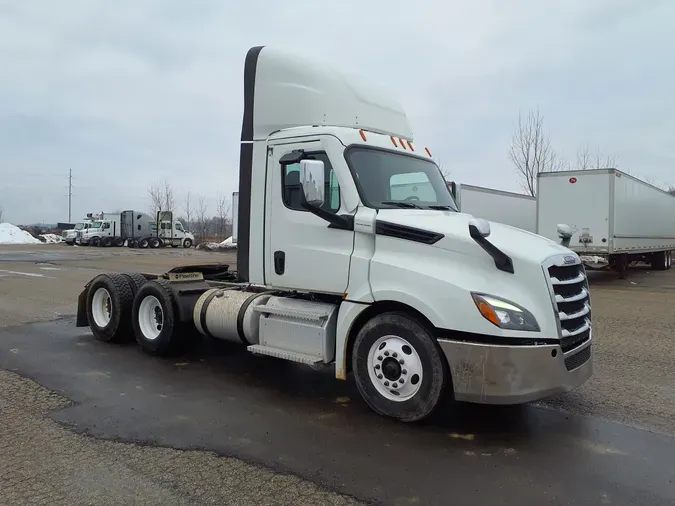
[279, 262]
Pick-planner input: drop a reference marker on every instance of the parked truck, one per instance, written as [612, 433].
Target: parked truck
[614, 218]
[70, 235]
[499, 206]
[116, 229]
[420, 302]
[171, 231]
[135, 229]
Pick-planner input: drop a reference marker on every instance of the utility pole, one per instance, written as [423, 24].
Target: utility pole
[70, 193]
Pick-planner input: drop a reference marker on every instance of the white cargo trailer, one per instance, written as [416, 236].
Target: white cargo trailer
[499, 206]
[614, 218]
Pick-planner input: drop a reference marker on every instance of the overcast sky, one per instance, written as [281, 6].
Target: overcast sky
[127, 92]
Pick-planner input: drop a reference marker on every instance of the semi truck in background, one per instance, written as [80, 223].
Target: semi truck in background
[338, 267]
[515, 209]
[69, 236]
[614, 218]
[135, 229]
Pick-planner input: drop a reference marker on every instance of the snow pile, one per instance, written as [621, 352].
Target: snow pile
[10, 234]
[217, 246]
[50, 238]
[227, 243]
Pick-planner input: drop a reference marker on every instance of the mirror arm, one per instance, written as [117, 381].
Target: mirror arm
[503, 262]
[334, 220]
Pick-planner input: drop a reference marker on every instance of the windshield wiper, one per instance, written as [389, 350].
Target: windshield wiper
[441, 208]
[406, 205]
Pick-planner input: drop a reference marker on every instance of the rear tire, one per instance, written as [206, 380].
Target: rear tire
[107, 242]
[109, 303]
[143, 243]
[155, 320]
[155, 243]
[380, 346]
[119, 242]
[136, 281]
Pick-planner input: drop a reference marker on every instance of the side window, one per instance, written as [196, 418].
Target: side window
[139, 227]
[291, 188]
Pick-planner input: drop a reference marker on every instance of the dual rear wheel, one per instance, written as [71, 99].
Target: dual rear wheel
[124, 307]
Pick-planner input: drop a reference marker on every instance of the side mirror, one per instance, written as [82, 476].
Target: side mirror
[565, 233]
[312, 179]
[479, 228]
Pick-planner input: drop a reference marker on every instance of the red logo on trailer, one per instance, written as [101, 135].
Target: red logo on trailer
[573, 180]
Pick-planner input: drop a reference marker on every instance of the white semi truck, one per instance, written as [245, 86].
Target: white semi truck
[135, 229]
[70, 236]
[614, 218]
[499, 206]
[420, 302]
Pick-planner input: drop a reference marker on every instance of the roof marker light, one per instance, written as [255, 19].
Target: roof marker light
[393, 141]
[428, 152]
[411, 146]
[363, 135]
[402, 143]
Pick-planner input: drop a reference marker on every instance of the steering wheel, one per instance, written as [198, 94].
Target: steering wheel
[412, 197]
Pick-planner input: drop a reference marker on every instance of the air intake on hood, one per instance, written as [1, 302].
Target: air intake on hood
[407, 233]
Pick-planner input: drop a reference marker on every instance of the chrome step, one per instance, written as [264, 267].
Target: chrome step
[283, 354]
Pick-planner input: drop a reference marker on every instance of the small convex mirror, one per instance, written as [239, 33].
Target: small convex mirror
[312, 178]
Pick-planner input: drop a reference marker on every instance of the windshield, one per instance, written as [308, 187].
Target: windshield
[79, 226]
[388, 180]
[96, 224]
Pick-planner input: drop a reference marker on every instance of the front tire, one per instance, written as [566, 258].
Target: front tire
[399, 368]
[187, 243]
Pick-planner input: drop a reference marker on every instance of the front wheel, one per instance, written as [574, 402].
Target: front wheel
[187, 243]
[399, 368]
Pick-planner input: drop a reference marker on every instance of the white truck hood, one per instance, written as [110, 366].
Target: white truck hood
[517, 243]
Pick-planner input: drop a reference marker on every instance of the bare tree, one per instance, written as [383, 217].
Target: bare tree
[188, 211]
[1, 210]
[202, 210]
[161, 196]
[531, 151]
[223, 210]
[445, 170]
[584, 158]
[167, 191]
[671, 190]
[597, 160]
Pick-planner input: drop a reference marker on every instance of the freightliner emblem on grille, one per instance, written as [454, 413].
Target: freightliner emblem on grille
[569, 259]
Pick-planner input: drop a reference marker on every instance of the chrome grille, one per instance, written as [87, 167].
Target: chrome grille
[571, 295]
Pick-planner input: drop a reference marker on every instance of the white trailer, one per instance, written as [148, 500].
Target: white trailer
[614, 219]
[339, 266]
[514, 209]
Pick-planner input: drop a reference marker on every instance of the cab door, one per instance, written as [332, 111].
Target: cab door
[302, 252]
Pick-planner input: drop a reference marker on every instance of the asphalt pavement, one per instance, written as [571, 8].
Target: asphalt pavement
[221, 426]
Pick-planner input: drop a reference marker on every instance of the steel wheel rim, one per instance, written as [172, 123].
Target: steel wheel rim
[101, 307]
[395, 368]
[150, 317]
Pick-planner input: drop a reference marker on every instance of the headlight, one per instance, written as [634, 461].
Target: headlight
[505, 314]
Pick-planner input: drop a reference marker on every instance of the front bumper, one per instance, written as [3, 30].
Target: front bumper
[502, 374]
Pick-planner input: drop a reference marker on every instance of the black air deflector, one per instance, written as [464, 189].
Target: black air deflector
[246, 164]
[406, 233]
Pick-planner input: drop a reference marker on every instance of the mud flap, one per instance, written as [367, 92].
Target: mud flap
[82, 320]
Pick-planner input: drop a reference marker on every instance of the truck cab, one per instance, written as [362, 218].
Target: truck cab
[323, 210]
[171, 231]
